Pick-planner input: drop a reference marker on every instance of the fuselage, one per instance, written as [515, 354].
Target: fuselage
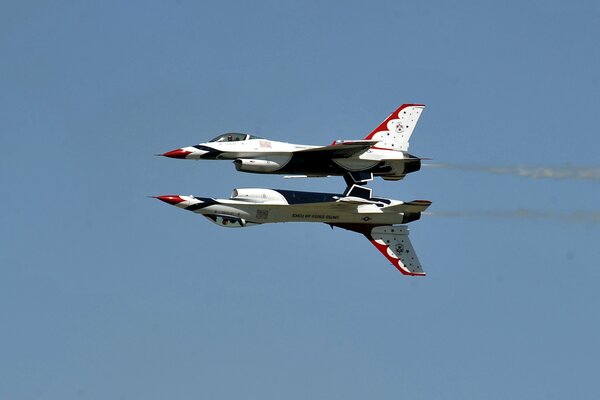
[259, 206]
[258, 155]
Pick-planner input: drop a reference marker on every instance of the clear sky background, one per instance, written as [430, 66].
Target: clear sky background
[107, 294]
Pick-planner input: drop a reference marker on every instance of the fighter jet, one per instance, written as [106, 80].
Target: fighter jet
[383, 152]
[355, 210]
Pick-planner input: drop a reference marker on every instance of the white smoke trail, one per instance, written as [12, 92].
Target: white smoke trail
[567, 172]
[578, 216]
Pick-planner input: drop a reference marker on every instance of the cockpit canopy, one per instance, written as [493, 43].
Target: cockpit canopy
[233, 137]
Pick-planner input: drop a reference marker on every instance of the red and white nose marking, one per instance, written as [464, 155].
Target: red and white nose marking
[172, 199]
[190, 153]
[177, 153]
[178, 200]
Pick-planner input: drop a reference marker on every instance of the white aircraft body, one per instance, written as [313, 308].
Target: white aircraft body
[384, 152]
[355, 210]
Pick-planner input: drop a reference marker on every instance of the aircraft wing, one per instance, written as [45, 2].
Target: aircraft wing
[344, 149]
[393, 242]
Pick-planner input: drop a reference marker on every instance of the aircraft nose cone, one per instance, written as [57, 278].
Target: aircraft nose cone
[177, 153]
[172, 199]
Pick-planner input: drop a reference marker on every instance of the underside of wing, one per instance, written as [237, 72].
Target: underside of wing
[393, 242]
[341, 149]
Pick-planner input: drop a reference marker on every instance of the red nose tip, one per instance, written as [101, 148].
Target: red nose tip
[178, 153]
[170, 199]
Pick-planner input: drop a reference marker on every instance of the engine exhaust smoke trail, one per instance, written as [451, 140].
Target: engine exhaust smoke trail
[578, 216]
[544, 172]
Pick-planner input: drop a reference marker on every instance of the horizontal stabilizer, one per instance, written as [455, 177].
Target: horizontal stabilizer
[349, 142]
[414, 206]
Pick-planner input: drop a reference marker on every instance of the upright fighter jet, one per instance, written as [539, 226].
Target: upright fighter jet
[383, 152]
[355, 210]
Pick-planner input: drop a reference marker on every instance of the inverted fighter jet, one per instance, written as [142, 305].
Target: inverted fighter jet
[383, 152]
[355, 210]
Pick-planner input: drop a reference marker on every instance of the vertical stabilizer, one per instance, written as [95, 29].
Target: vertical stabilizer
[394, 244]
[394, 133]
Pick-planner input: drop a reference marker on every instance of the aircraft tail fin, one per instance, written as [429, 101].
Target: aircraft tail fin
[393, 242]
[395, 131]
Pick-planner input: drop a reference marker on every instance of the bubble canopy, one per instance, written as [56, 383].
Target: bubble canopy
[234, 137]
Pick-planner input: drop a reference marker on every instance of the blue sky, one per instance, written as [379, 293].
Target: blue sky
[105, 293]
